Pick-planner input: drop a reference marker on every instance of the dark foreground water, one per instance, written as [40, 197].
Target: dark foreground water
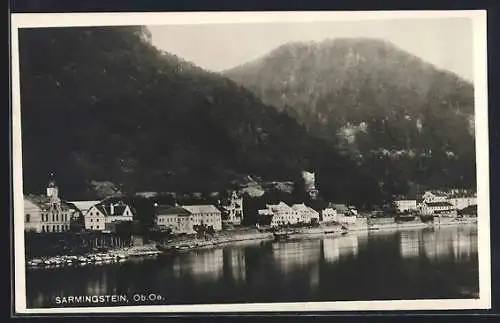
[384, 265]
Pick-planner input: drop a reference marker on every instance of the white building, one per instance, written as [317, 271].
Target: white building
[329, 214]
[345, 214]
[282, 214]
[307, 214]
[403, 205]
[47, 213]
[233, 210]
[435, 196]
[207, 215]
[176, 219]
[438, 208]
[98, 215]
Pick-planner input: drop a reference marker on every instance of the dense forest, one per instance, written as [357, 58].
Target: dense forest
[402, 119]
[102, 107]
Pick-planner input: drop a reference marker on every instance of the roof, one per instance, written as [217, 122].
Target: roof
[281, 206]
[303, 207]
[438, 204]
[84, 205]
[339, 207]
[171, 210]
[105, 208]
[437, 193]
[44, 202]
[201, 209]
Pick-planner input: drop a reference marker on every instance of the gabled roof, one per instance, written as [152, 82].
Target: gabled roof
[201, 209]
[171, 210]
[281, 206]
[105, 208]
[84, 206]
[44, 202]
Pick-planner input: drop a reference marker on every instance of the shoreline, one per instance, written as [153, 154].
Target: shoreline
[174, 247]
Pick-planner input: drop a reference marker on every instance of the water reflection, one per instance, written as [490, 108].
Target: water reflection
[292, 255]
[416, 264]
[204, 265]
[236, 262]
[409, 244]
[440, 245]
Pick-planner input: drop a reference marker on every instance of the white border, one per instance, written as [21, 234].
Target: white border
[107, 19]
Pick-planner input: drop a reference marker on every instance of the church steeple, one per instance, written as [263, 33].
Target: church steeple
[52, 190]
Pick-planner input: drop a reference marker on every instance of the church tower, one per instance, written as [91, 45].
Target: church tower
[52, 190]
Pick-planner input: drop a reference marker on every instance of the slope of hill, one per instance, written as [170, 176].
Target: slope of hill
[398, 114]
[104, 105]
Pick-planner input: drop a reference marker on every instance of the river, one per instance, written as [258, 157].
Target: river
[430, 263]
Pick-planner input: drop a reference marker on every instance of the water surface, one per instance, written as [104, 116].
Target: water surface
[379, 265]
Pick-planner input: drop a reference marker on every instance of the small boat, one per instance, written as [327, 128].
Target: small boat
[373, 228]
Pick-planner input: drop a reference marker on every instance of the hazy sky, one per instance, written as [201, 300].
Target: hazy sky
[444, 42]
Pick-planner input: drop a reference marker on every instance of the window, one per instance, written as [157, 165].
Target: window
[28, 218]
[57, 217]
[91, 227]
[91, 220]
[97, 220]
[43, 228]
[97, 227]
[53, 227]
[53, 217]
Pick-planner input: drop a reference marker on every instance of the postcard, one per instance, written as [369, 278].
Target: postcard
[218, 162]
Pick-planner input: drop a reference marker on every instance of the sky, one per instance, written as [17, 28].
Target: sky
[444, 42]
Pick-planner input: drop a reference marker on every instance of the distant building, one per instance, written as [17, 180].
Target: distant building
[282, 214]
[307, 214]
[233, 209]
[47, 213]
[176, 219]
[345, 214]
[329, 214]
[207, 215]
[437, 208]
[97, 215]
[434, 196]
[404, 205]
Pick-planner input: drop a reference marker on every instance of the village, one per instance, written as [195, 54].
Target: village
[179, 225]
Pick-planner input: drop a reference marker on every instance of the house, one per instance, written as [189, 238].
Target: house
[307, 214]
[405, 205]
[207, 215]
[437, 208]
[281, 214]
[345, 214]
[434, 196]
[329, 214]
[47, 213]
[175, 218]
[107, 211]
[462, 199]
[233, 210]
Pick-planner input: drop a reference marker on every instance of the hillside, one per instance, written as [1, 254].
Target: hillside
[102, 107]
[401, 117]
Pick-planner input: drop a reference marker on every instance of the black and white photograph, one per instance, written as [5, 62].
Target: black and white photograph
[250, 162]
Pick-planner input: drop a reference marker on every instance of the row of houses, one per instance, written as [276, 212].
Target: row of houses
[283, 214]
[48, 213]
[438, 202]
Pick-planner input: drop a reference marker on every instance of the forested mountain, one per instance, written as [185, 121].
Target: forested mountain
[403, 119]
[103, 105]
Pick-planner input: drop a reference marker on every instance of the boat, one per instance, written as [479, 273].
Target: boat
[373, 227]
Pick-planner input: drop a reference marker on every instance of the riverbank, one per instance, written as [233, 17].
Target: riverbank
[184, 244]
[117, 255]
